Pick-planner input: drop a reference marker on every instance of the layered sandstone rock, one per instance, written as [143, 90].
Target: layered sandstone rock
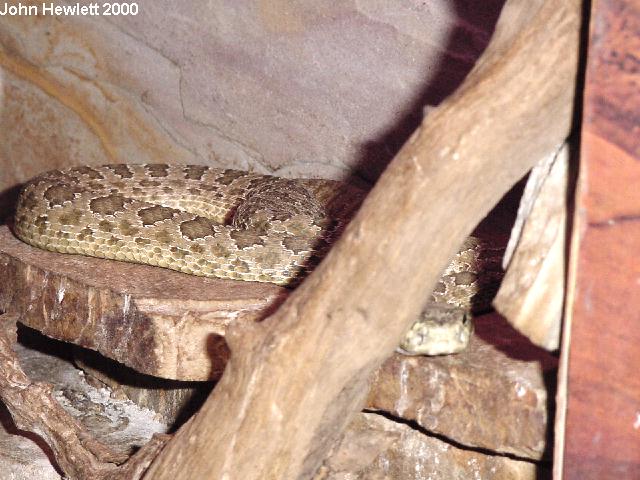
[292, 88]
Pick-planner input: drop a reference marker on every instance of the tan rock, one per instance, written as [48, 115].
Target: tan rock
[492, 396]
[373, 447]
[171, 325]
[285, 87]
[154, 320]
[532, 293]
[376, 448]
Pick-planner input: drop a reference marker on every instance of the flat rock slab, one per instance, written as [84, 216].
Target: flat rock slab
[120, 424]
[376, 448]
[373, 447]
[154, 320]
[493, 396]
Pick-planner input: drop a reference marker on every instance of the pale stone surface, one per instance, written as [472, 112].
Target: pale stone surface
[118, 423]
[491, 396]
[174, 401]
[375, 448]
[532, 293]
[20, 457]
[295, 88]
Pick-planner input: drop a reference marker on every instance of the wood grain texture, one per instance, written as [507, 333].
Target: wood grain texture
[294, 381]
[602, 437]
[532, 292]
[157, 321]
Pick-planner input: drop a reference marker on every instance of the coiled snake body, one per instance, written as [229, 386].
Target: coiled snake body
[220, 223]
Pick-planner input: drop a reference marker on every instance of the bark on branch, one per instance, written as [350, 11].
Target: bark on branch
[294, 381]
[78, 454]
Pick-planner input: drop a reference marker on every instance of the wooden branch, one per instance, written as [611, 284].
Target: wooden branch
[294, 381]
[33, 408]
[78, 454]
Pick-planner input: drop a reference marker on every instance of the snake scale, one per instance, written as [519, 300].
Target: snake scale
[226, 224]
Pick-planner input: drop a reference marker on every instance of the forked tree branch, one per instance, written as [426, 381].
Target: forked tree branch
[295, 380]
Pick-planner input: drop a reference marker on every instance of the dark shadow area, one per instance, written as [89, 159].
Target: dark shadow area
[34, 340]
[8, 198]
[494, 230]
[100, 370]
[495, 330]
[468, 39]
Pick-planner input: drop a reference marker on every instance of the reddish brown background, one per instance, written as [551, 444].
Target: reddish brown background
[603, 417]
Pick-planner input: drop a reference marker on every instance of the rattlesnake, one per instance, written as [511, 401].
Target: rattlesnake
[218, 223]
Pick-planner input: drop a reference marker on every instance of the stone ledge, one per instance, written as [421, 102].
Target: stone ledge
[493, 396]
[154, 320]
